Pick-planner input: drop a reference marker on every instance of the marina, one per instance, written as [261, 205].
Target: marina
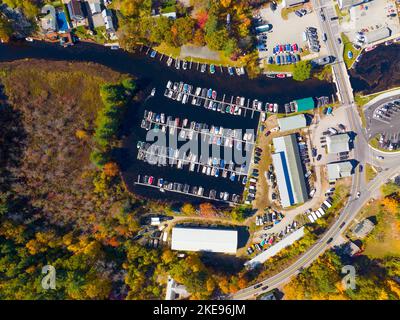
[153, 73]
[185, 93]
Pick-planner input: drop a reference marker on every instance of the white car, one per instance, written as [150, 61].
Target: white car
[380, 157]
[358, 194]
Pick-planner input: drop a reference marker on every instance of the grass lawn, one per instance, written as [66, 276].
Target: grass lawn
[168, 50]
[323, 74]
[279, 68]
[348, 46]
[370, 172]
[385, 238]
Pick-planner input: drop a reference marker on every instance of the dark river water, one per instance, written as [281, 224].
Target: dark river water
[377, 70]
[153, 73]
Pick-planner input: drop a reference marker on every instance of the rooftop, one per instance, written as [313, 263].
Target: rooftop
[339, 170]
[273, 250]
[202, 239]
[305, 104]
[292, 123]
[289, 171]
[338, 143]
[362, 229]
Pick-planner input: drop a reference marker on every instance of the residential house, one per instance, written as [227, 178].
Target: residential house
[76, 13]
[48, 22]
[362, 229]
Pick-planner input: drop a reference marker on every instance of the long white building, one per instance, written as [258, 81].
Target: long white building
[289, 171]
[204, 239]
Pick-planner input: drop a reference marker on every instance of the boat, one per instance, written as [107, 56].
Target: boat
[230, 71]
[270, 75]
[203, 68]
[214, 94]
[184, 65]
[153, 92]
[209, 93]
[29, 39]
[153, 54]
[388, 43]
[281, 75]
[177, 64]
[212, 69]
[169, 61]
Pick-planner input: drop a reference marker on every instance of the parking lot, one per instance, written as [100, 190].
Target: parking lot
[370, 16]
[384, 119]
[319, 138]
[289, 31]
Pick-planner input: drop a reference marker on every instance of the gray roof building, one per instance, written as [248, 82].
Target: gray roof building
[289, 171]
[202, 239]
[338, 143]
[376, 35]
[292, 123]
[339, 170]
[362, 229]
[351, 248]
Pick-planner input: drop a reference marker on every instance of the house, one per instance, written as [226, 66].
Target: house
[292, 3]
[94, 14]
[48, 22]
[75, 10]
[292, 123]
[175, 291]
[351, 249]
[289, 171]
[338, 143]
[109, 23]
[362, 229]
[204, 239]
[339, 170]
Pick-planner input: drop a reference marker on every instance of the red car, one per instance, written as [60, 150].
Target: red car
[281, 75]
[295, 47]
[280, 48]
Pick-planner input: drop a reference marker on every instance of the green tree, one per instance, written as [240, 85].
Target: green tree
[302, 70]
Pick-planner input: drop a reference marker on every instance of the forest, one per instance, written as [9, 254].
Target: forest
[62, 202]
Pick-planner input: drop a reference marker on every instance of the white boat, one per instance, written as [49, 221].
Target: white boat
[153, 92]
[169, 61]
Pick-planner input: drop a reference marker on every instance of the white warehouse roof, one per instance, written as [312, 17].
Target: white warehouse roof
[339, 170]
[338, 143]
[201, 239]
[291, 123]
[377, 34]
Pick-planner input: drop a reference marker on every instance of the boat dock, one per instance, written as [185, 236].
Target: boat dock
[207, 98]
[214, 135]
[186, 189]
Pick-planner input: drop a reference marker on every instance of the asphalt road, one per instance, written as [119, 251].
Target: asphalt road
[362, 153]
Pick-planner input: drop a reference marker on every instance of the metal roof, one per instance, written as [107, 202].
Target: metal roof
[273, 250]
[339, 170]
[338, 143]
[202, 239]
[305, 104]
[377, 34]
[290, 171]
[292, 123]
